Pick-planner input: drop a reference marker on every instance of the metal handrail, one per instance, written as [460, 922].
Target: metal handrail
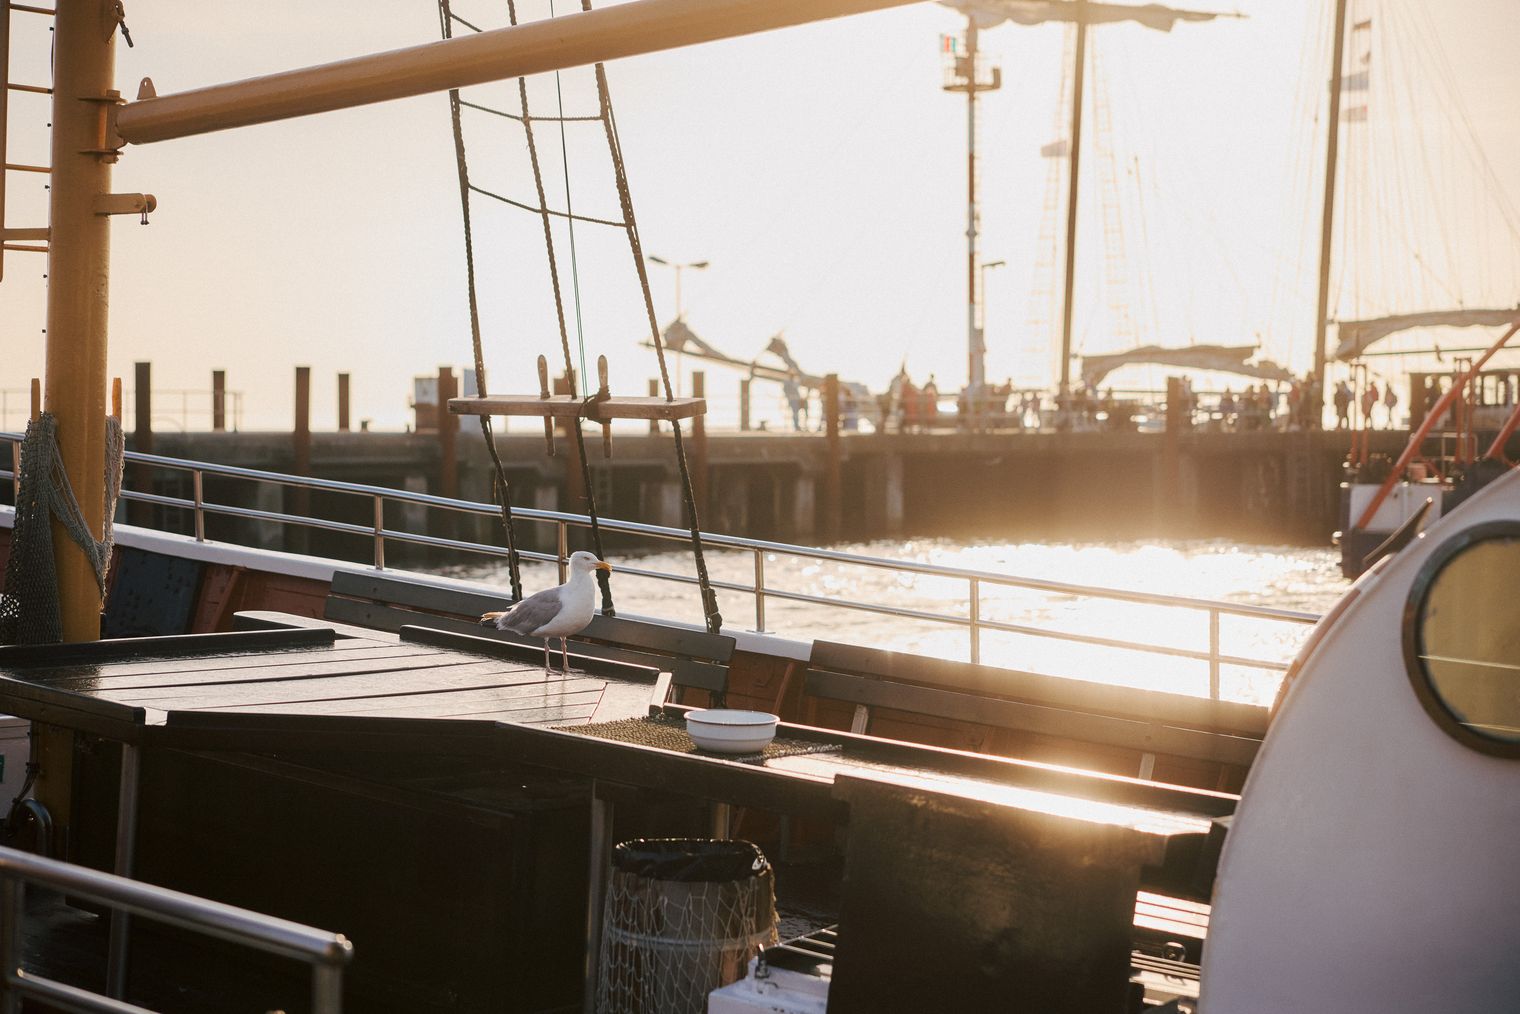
[976, 580]
[325, 952]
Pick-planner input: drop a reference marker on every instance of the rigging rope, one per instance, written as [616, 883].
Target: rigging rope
[602, 578]
[503, 487]
[709, 597]
[575, 272]
[714, 619]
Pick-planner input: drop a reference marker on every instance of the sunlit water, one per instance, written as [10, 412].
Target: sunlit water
[1291, 578]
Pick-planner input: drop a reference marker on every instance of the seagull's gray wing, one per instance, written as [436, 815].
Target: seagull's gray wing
[532, 612]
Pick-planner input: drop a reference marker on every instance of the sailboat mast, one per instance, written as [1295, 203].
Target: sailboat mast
[976, 366]
[79, 269]
[1327, 221]
[1071, 199]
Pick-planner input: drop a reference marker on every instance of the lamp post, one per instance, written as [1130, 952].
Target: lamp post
[977, 381]
[678, 268]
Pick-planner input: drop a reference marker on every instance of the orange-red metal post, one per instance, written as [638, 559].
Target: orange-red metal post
[1438, 410]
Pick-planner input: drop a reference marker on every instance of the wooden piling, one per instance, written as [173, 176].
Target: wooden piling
[833, 486]
[448, 430]
[575, 486]
[299, 499]
[343, 403]
[654, 392]
[744, 405]
[139, 513]
[218, 400]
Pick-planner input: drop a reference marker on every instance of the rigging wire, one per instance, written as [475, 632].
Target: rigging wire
[564, 335]
[615, 149]
[575, 274]
[503, 487]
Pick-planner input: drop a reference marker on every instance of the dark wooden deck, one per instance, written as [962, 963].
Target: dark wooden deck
[123, 686]
[417, 791]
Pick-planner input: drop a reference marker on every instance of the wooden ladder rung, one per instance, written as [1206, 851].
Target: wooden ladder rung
[565, 406]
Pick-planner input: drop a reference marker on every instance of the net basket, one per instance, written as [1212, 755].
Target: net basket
[682, 917]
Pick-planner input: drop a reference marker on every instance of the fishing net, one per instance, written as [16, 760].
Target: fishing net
[682, 918]
[29, 607]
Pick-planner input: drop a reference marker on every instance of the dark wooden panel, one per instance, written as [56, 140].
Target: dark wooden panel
[653, 637]
[994, 908]
[459, 706]
[1145, 736]
[223, 731]
[416, 595]
[62, 707]
[603, 661]
[219, 668]
[394, 684]
[13, 656]
[269, 619]
[1147, 705]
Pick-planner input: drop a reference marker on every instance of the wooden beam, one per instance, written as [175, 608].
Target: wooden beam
[564, 406]
[571, 40]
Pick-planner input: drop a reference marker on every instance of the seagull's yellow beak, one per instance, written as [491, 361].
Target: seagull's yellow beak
[604, 565]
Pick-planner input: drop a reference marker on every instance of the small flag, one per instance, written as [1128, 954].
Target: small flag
[950, 45]
[1356, 114]
[1055, 149]
[1357, 82]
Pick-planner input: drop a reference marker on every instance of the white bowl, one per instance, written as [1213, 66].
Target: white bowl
[726, 731]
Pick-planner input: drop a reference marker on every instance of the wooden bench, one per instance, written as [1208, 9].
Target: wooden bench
[1151, 722]
[688, 659]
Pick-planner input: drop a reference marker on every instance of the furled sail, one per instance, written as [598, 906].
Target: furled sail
[989, 13]
[1220, 358]
[1356, 335]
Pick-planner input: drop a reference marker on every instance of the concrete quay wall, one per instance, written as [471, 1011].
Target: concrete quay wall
[1257, 486]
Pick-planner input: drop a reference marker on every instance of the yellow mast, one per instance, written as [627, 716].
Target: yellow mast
[79, 270]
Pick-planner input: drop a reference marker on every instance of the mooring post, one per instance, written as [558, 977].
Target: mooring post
[832, 480]
[448, 428]
[575, 486]
[218, 400]
[296, 536]
[442, 523]
[343, 403]
[744, 405]
[654, 392]
[699, 446]
[142, 440]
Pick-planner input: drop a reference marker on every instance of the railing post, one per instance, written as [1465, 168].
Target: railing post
[197, 485]
[126, 848]
[976, 621]
[379, 532]
[1213, 654]
[759, 591]
[326, 989]
[562, 550]
[11, 912]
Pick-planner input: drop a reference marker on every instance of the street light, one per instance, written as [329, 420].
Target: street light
[678, 268]
[977, 378]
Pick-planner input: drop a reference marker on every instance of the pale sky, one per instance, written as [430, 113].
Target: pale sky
[820, 170]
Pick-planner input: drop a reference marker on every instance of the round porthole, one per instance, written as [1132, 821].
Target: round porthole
[1462, 637]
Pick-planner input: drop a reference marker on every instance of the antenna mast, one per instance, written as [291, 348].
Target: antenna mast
[964, 74]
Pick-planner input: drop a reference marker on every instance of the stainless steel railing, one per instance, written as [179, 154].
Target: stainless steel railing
[326, 953]
[977, 581]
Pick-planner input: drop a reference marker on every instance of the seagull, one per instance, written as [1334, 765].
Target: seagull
[555, 612]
